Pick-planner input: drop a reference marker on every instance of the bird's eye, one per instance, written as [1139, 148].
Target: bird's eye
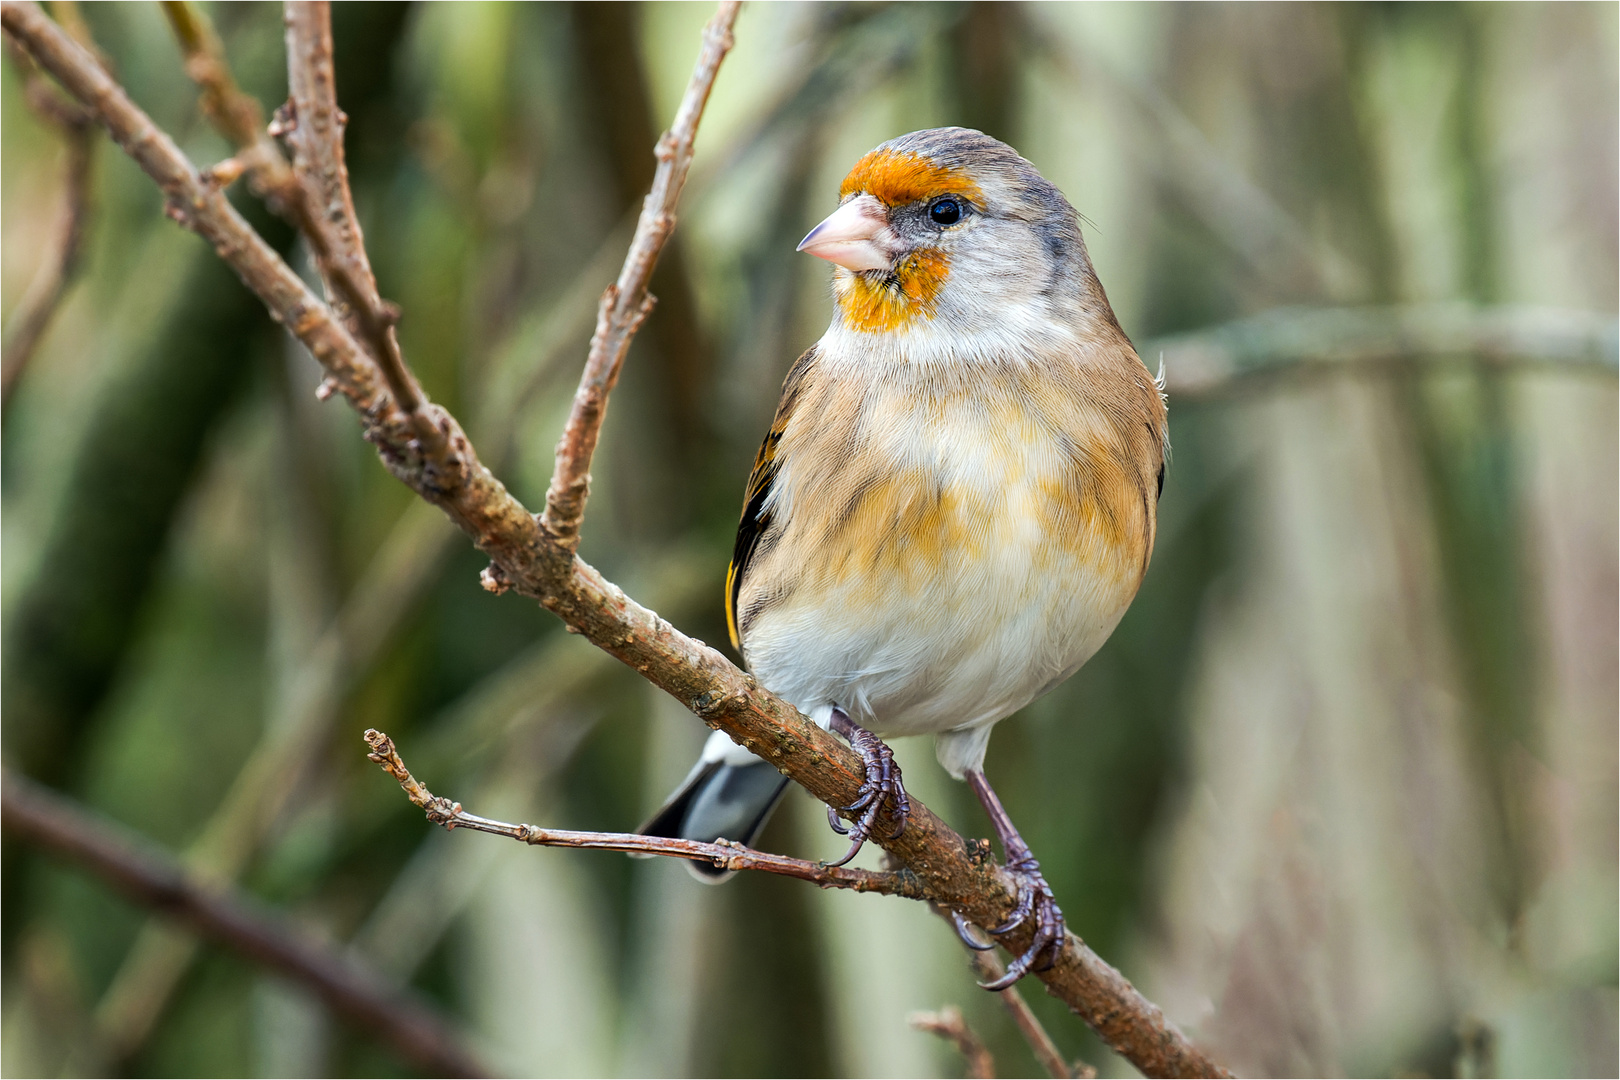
[946, 212]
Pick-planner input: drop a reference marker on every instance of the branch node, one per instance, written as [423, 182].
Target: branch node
[284, 121]
[494, 579]
[224, 174]
[326, 389]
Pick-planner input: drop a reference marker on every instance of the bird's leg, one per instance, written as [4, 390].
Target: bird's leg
[1035, 898]
[882, 786]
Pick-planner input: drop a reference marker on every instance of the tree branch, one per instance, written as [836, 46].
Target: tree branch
[314, 130]
[989, 969]
[26, 327]
[725, 855]
[238, 116]
[1302, 340]
[626, 303]
[152, 878]
[532, 559]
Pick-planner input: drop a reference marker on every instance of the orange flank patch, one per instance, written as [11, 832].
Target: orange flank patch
[899, 178]
[899, 528]
[877, 304]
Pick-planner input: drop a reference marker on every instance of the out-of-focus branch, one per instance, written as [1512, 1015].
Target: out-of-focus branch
[725, 855]
[949, 1025]
[235, 114]
[126, 861]
[529, 557]
[44, 294]
[989, 969]
[238, 117]
[626, 303]
[1302, 340]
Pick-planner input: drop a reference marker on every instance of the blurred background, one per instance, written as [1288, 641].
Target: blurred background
[1340, 794]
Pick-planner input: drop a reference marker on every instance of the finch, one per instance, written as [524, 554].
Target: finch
[956, 501]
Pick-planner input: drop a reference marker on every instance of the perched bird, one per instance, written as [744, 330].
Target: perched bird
[956, 501]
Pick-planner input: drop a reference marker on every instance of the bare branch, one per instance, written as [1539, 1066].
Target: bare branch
[989, 969]
[314, 131]
[527, 557]
[626, 303]
[152, 878]
[948, 1024]
[1298, 341]
[238, 118]
[56, 272]
[724, 854]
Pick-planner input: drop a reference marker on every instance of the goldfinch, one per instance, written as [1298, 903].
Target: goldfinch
[957, 499]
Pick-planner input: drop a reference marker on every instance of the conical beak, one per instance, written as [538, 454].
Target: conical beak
[856, 236]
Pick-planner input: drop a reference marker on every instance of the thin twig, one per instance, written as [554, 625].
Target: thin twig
[153, 878]
[528, 559]
[238, 117]
[989, 969]
[725, 854]
[313, 127]
[626, 303]
[948, 1024]
[26, 327]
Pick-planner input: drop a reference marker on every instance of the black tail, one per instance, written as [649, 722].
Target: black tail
[719, 800]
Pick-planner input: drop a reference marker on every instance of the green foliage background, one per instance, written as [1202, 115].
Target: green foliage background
[1340, 793]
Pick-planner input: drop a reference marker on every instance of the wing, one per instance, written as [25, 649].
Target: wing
[755, 516]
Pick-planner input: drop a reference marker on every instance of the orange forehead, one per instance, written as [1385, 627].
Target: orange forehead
[898, 178]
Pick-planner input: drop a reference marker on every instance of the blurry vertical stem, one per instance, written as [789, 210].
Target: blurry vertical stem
[627, 303]
[311, 704]
[26, 327]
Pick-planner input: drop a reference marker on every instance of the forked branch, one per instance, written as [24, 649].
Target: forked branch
[240, 118]
[538, 558]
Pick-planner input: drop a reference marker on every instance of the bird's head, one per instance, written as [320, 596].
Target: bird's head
[950, 225]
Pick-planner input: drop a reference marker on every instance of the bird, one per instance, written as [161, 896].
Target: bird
[956, 501]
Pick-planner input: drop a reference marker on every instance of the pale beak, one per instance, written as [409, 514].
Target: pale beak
[854, 236]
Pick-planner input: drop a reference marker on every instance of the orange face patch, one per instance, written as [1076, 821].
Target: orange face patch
[877, 305]
[898, 178]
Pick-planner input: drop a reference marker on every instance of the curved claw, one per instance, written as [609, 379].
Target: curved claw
[902, 811]
[837, 825]
[1025, 908]
[854, 848]
[1015, 971]
[964, 930]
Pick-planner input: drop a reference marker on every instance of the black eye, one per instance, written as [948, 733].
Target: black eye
[946, 212]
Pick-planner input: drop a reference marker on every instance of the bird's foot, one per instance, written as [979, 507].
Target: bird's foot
[1035, 901]
[1036, 904]
[881, 787]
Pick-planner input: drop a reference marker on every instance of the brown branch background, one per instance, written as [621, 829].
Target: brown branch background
[357, 341]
